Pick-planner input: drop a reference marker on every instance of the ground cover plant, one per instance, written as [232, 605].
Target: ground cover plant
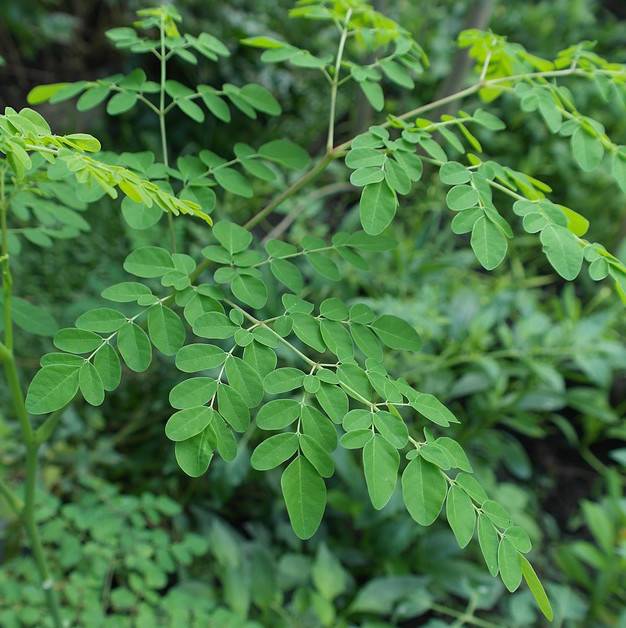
[264, 355]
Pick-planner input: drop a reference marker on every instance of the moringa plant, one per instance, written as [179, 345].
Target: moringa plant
[300, 378]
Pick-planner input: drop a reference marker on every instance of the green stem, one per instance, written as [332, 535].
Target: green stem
[470, 619]
[330, 142]
[296, 186]
[340, 150]
[161, 113]
[28, 437]
[256, 321]
[7, 280]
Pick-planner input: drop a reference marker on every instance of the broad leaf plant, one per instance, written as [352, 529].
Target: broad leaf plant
[311, 378]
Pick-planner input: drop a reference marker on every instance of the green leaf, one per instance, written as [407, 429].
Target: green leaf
[283, 380]
[149, 262]
[358, 419]
[194, 454]
[367, 176]
[509, 564]
[214, 103]
[461, 516]
[121, 102]
[334, 309]
[192, 392]
[233, 408]
[472, 487]
[90, 383]
[32, 318]
[166, 329]
[245, 380]
[374, 94]
[288, 274]
[392, 428]
[497, 513]
[536, 588]
[249, 290]
[231, 236]
[189, 108]
[260, 357]
[92, 97]
[599, 521]
[274, 451]
[187, 423]
[395, 176]
[101, 319]
[424, 490]
[307, 329]
[488, 243]
[488, 120]
[587, 149]
[397, 73]
[125, 292]
[260, 98]
[429, 406]
[214, 325]
[366, 341]
[380, 465]
[77, 340]
[134, 346]
[618, 169]
[563, 251]
[233, 181]
[199, 357]
[226, 443]
[333, 401]
[454, 173]
[263, 42]
[396, 333]
[304, 492]
[107, 363]
[43, 93]
[356, 439]
[455, 453]
[437, 455]
[462, 197]
[337, 339]
[519, 538]
[488, 541]
[316, 425]
[377, 207]
[61, 358]
[317, 455]
[277, 414]
[52, 388]
[328, 575]
[324, 265]
[286, 153]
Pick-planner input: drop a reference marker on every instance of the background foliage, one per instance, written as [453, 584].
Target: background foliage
[534, 368]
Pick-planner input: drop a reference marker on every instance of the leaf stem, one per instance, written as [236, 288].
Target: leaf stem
[330, 141]
[471, 619]
[340, 150]
[161, 114]
[28, 437]
[256, 321]
[296, 186]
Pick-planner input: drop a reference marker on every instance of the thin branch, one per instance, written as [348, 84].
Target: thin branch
[330, 141]
[341, 149]
[161, 113]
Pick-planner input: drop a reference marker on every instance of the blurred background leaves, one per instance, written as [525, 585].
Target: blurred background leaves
[535, 369]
